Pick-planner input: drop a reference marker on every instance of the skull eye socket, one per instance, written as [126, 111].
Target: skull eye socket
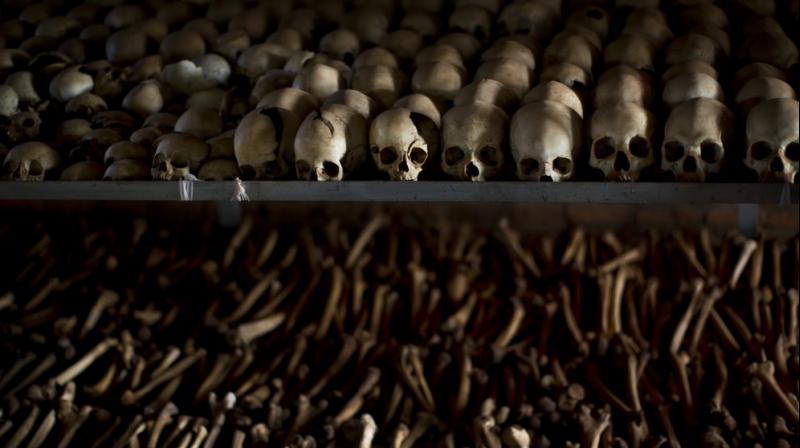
[388, 155]
[374, 149]
[453, 155]
[639, 147]
[710, 152]
[158, 160]
[760, 150]
[35, 168]
[604, 148]
[302, 168]
[418, 155]
[673, 151]
[563, 165]
[272, 168]
[490, 156]
[331, 169]
[10, 167]
[528, 166]
[793, 151]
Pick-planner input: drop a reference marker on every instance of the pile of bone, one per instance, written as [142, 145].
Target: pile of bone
[394, 336]
[399, 89]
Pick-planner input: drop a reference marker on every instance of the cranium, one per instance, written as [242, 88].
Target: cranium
[573, 49]
[512, 73]
[510, 49]
[252, 20]
[127, 169]
[623, 84]
[544, 139]
[630, 50]
[303, 20]
[270, 82]
[182, 44]
[382, 83]
[649, 25]
[319, 80]
[178, 156]
[70, 83]
[23, 85]
[85, 105]
[232, 43]
[593, 18]
[221, 146]
[422, 22]
[528, 17]
[421, 104]
[85, 170]
[9, 101]
[370, 24]
[466, 44]
[439, 53]
[288, 38]
[359, 102]
[570, 75]
[472, 19]
[93, 145]
[144, 99]
[258, 59]
[558, 92]
[760, 89]
[720, 38]
[375, 56]
[263, 142]
[488, 91]
[219, 169]
[299, 102]
[691, 47]
[30, 161]
[331, 144]
[755, 70]
[689, 67]
[622, 141]
[474, 138]
[689, 86]
[695, 136]
[341, 44]
[123, 150]
[772, 140]
[201, 122]
[403, 143]
[439, 80]
[404, 44]
[705, 15]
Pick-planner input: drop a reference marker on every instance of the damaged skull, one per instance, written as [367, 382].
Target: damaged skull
[331, 144]
[403, 143]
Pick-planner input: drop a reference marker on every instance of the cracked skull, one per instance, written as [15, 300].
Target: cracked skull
[178, 156]
[773, 146]
[621, 141]
[474, 138]
[695, 137]
[331, 144]
[263, 143]
[544, 138]
[403, 143]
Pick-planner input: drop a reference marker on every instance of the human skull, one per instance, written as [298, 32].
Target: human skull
[527, 17]
[341, 44]
[472, 19]
[623, 84]
[774, 48]
[439, 53]
[421, 104]
[358, 101]
[219, 169]
[760, 89]
[683, 68]
[384, 84]
[466, 44]
[178, 156]
[689, 86]
[403, 143]
[590, 17]
[422, 22]
[622, 141]
[691, 47]
[439, 80]
[558, 92]
[512, 73]
[695, 136]
[474, 138]
[630, 50]
[30, 161]
[488, 91]
[755, 70]
[263, 143]
[571, 48]
[510, 49]
[320, 80]
[544, 139]
[772, 140]
[85, 170]
[403, 43]
[299, 102]
[127, 169]
[331, 144]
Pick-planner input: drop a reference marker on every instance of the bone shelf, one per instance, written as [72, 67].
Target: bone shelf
[411, 192]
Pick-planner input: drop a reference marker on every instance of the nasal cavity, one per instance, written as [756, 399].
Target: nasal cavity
[403, 167]
[545, 179]
[690, 164]
[621, 163]
[472, 170]
[776, 165]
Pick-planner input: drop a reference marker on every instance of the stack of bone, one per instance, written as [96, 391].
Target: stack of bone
[399, 89]
[395, 336]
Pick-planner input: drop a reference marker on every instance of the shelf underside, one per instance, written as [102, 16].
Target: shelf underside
[374, 191]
